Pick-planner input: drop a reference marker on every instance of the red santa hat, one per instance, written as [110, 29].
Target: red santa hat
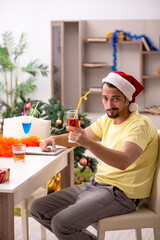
[127, 84]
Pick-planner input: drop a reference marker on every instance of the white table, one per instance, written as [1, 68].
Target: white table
[25, 178]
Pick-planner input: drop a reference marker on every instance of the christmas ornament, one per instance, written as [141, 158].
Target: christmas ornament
[28, 105]
[59, 121]
[83, 161]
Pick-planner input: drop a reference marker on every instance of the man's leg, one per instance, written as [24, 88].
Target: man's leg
[70, 211]
[45, 208]
[93, 204]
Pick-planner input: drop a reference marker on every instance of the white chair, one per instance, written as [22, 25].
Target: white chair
[147, 214]
[13, 128]
[40, 128]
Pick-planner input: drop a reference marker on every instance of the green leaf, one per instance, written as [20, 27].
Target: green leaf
[25, 87]
[35, 68]
[8, 43]
[1, 87]
[5, 62]
[21, 46]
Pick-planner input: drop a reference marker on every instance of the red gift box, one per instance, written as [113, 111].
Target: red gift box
[4, 174]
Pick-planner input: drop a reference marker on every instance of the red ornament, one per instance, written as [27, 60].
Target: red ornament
[81, 118]
[28, 105]
[83, 161]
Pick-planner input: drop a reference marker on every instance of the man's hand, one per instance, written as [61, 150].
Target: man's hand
[78, 135]
[46, 143]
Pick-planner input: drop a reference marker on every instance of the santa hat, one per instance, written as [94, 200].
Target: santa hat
[127, 84]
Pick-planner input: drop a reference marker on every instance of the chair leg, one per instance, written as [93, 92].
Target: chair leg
[24, 218]
[43, 233]
[138, 234]
[100, 235]
[156, 232]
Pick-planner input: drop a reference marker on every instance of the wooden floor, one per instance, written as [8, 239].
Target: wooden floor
[34, 232]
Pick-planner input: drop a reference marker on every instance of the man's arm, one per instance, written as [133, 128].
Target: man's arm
[62, 140]
[118, 159]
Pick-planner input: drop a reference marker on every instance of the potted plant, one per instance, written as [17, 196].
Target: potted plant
[11, 71]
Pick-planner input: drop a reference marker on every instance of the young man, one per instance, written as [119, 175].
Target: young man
[127, 154]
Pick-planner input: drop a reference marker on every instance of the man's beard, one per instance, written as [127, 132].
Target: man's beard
[113, 115]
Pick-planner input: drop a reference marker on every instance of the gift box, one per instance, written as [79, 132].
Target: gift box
[4, 174]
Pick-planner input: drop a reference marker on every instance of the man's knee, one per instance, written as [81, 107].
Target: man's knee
[34, 208]
[61, 225]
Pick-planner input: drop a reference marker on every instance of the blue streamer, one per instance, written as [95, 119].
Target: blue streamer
[126, 34]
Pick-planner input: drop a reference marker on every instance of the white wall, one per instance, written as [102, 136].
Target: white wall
[34, 16]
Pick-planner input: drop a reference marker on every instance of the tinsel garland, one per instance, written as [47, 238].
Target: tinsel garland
[6, 144]
[126, 34]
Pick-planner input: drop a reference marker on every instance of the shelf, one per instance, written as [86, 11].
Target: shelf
[95, 65]
[130, 42]
[150, 76]
[96, 40]
[93, 91]
[104, 40]
[150, 52]
[145, 113]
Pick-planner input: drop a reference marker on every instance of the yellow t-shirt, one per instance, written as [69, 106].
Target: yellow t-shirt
[136, 180]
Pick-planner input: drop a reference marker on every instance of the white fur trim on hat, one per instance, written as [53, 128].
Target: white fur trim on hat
[121, 83]
[133, 107]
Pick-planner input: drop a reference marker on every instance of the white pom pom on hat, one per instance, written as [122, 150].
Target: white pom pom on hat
[133, 107]
[127, 84]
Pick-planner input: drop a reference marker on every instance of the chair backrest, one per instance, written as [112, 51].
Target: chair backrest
[153, 202]
[13, 128]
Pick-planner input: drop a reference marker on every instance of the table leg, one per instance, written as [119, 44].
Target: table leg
[6, 216]
[67, 174]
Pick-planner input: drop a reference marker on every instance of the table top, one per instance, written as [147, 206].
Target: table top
[22, 172]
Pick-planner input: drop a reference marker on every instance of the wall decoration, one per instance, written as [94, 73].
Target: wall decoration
[116, 36]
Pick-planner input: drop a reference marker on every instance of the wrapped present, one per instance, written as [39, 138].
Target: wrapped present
[4, 174]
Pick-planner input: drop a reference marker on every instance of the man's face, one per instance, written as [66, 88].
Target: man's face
[114, 102]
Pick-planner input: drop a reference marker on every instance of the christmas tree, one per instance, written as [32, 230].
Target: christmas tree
[56, 112]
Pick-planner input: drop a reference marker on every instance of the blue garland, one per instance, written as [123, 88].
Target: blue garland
[126, 34]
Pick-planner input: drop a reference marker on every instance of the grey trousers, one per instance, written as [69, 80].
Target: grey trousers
[67, 213]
